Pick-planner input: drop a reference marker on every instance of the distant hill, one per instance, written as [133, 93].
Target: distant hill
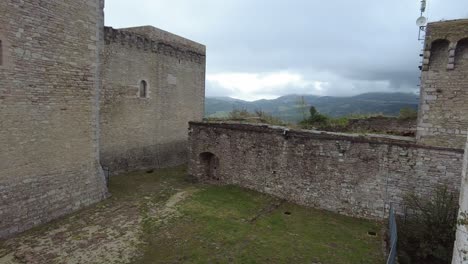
[289, 108]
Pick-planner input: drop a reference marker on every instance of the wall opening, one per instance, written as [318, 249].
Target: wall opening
[209, 166]
[143, 89]
[461, 52]
[439, 54]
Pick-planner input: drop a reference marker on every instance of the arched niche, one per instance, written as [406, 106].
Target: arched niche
[461, 53]
[439, 53]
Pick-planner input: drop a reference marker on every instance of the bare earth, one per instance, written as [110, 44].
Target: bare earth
[109, 232]
[160, 217]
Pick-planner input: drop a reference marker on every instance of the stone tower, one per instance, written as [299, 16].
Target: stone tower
[443, 115]
[49, 111]
[153, 85]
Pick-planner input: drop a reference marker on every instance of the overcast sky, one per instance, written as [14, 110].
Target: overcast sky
[268, 48]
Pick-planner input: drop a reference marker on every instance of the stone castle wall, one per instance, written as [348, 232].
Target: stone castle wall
[49, 158]
[443, 118]
[349, 174]
[147, 132]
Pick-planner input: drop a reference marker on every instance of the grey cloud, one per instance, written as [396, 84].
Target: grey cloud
[362, 42]
[213, 89]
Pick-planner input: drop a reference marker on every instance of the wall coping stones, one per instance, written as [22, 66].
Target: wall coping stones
[155, 40]
[323, 135]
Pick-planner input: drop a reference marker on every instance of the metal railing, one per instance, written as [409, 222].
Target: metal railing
[393, 233]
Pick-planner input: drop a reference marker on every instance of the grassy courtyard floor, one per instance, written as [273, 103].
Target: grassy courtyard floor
[159, 217]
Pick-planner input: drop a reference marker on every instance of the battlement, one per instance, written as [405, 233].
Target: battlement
[154, 40]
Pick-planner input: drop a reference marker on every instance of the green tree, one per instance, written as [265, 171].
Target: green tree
[316, 117]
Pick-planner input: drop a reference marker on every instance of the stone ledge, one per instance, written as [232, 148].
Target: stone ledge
[315, 134]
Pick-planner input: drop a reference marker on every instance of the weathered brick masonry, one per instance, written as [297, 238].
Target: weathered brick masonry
[140, 132]
[49, 82]
[443, 118]
[349, 174]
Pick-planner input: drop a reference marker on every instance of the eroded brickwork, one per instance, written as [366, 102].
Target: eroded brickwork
[139, 133]
[349, 174]
[49, 158]
[443, 114]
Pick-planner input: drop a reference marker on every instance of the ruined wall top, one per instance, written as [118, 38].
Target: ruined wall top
[152, 39]
[322, 135]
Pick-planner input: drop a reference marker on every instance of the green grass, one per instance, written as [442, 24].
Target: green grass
[233, 225]
[162, 217]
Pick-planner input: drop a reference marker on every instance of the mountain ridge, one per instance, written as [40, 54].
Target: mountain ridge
[291, 109]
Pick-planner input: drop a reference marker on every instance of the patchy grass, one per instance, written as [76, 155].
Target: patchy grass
[230, 224]
[160, 217]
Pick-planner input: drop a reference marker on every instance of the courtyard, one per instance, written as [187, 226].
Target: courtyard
[161, 216]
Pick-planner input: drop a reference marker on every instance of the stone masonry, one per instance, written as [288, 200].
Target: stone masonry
[443, 118]
[49, 87]
[349, 174]
[75, 96]
[142, 132]
[460, 249]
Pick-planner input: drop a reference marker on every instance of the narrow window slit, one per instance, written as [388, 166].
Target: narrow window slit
[143, 89]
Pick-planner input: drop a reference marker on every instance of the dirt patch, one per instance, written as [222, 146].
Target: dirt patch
[109, 232]
[102, 235]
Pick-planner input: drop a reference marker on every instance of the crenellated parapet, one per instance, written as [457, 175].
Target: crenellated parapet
[131, 39]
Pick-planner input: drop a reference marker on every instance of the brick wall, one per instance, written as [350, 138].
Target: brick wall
[348, 174]
[49, 162]
[141, 133]
[443, 115]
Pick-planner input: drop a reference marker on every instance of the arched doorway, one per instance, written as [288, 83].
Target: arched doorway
[209, 165]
